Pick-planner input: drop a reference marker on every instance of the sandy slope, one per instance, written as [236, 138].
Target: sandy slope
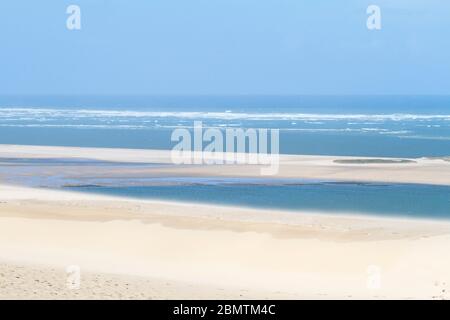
[169, 250]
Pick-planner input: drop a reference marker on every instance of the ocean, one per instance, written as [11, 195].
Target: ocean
[378, 126]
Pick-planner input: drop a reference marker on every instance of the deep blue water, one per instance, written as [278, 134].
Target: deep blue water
[400, 200]
[392, 126]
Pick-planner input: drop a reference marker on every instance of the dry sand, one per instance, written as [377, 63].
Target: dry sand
[148, 249]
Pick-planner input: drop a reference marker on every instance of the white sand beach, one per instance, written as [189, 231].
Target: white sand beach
[136, 249]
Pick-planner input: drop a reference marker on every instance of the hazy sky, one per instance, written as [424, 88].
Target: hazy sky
[224, 47]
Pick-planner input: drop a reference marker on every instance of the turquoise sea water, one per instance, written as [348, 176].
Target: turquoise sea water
[404, 200]
[393, 126]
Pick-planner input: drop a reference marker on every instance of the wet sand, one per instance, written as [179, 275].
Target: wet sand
[158, 163]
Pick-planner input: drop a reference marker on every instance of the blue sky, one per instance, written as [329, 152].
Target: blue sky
[225, 47]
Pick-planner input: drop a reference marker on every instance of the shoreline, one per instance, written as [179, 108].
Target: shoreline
[277, 211]
[255, 214]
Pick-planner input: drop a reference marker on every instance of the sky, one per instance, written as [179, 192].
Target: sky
[194, 47]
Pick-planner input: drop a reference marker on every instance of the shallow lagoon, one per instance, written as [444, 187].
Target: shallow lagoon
[397, 200]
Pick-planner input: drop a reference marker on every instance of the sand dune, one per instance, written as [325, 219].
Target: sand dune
[212, 251]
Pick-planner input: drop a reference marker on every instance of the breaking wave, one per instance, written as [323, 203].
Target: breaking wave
[43, 113]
